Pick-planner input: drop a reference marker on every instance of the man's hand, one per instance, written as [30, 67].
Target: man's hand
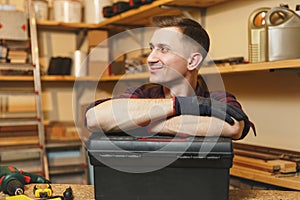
[208, 107]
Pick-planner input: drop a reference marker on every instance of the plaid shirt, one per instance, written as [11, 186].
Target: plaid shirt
[156, 91]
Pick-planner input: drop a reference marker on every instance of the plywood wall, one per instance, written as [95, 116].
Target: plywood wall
[272, 100]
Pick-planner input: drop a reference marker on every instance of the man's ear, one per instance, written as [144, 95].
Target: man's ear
[194, 60]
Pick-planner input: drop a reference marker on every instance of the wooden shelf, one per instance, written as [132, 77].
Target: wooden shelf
[240, 68]
[53, 145]
[135, 17]
[63, 26]
[252, 67]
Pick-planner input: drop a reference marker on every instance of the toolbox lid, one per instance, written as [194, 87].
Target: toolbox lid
[122, 151]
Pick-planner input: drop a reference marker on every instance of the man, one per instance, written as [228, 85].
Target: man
[178, 103]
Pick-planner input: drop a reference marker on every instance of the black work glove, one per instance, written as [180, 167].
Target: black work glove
[201, 106]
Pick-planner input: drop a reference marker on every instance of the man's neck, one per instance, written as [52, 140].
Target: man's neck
[180, 88]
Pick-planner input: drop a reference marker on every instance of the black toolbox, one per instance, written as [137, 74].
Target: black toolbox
[160, 167]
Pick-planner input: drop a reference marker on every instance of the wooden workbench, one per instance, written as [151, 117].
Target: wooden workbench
[86, 192]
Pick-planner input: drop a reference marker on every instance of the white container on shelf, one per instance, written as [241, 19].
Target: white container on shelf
[67, 11]
[8, 7]
[79, 66]
[93, 10]
[41, 9]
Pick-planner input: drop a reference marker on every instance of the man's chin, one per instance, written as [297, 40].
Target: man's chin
[155, 80]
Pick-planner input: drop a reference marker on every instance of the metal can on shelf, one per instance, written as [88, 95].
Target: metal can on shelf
[257, 35]
[283, 27]
[67, 11]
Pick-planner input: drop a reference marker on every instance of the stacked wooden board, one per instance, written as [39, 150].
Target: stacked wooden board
[268, 165]
[18, 135]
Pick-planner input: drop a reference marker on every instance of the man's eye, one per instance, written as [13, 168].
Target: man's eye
[164, 49]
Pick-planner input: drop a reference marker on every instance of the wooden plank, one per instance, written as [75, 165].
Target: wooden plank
[285, 166]
[253, 154]
[18, 128]
[19, 156]
[266, 153]
[64, 161]
[9, 141]
[17, 134]
[242, 169]
[266, 177]
[255, 163]
[267, 150]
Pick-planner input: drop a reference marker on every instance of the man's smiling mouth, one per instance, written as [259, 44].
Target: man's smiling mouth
[154, 68]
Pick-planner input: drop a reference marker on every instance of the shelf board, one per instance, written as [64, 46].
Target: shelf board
[63, 26]
[17, 66]
[20, 149]
[140, 16]
[67, 169]
[16, 92]
[15, 78]
[54, 145]
[239, 68]
[252, 67]
[18, 121]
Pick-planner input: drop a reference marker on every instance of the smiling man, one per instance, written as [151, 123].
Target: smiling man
[177, 102]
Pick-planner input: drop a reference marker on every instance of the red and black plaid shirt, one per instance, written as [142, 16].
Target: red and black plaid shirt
[156, 91]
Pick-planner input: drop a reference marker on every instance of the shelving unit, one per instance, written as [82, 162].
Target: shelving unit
[140, 17]
[67, 161]
[28, 139]
[239, 68]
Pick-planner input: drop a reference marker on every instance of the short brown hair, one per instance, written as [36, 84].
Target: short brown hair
[188, 27]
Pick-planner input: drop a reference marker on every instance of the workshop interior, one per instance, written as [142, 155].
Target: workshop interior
[59, 56]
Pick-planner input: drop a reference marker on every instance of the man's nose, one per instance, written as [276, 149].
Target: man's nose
[153, 57]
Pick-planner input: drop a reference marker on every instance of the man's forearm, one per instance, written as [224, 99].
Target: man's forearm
[197, 126]
[125, 114]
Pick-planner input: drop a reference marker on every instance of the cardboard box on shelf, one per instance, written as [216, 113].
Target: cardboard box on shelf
[61, 131]
[98, 69]
[97, 37]
[13, 25]
[98, 64]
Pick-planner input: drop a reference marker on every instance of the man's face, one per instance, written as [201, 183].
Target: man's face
[167, 61]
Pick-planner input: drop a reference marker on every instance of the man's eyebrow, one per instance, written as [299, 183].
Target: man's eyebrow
[160, 44]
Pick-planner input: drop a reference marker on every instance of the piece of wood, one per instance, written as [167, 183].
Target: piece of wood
[285, 166]
[10, 156]
[255, 164]
[17, 128]
[283, 153]
[10, 141]
[252, 154]
[265, 177]
[17, 134]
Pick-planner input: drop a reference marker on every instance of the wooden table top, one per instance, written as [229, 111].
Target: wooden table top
[86, 192]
